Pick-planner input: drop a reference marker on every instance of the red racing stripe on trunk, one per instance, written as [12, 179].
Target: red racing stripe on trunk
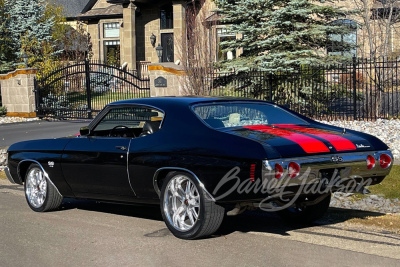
[339, 142]
[308, 144]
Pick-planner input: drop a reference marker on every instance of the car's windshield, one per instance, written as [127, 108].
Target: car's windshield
[231, 114]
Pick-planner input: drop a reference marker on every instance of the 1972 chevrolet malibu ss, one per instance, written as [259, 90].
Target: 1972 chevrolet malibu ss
[200, 158]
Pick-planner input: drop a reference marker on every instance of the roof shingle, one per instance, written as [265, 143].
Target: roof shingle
[110, 11]
[72, 7]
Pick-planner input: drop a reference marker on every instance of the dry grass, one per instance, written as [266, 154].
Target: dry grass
[389, 188]
[360, 218]
[389, 222]
[2, 175]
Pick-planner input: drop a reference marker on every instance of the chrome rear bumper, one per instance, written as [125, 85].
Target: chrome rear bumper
[8, 174]
[314, 168]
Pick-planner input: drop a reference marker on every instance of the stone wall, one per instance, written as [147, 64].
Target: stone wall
[140, 21]
[17, 92]
[172, 73]
[3, 158]
[96, 31]
[93, 29]
[148, 24]
[128, 36]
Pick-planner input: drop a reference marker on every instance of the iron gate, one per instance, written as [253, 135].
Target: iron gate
[83, 89]
[1, 100]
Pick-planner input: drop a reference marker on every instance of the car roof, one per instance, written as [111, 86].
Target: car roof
[182, 103]
[179, 101]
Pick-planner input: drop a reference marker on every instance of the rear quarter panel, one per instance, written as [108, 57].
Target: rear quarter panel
[189, 144]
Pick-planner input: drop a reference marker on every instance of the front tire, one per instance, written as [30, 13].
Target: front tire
[186, 208]
[40, 194]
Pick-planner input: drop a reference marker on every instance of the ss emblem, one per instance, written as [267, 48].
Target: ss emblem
[337, 159]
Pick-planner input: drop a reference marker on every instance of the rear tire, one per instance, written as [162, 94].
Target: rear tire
[187, 210]
[307, 214]
[40, 193]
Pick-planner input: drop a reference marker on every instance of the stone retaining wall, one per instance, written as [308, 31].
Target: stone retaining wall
[17, 92]
[3, 158]
[173, 75]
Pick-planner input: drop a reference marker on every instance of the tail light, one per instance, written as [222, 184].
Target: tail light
[385, 161]
[370, 162]
[252, 172]
[293, 169]
[278, 171]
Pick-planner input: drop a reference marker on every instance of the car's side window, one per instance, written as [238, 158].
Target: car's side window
[129, 122]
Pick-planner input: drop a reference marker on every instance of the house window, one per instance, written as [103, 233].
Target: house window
[167, 42]
[166, 17]
[112, 52]
[222, 36]
[339, 42]
[111, 30]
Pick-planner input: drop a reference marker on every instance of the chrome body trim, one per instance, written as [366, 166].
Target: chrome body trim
[351, 165]
[127, 167]
[158, 191]
[44, 172]
[9, 176]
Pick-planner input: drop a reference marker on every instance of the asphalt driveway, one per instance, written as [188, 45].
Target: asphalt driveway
[42, 129]
[87, 233]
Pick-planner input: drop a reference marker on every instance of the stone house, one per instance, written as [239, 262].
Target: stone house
[374, 29]
[128, 31]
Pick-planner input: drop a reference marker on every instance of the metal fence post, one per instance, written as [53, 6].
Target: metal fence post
[37, 96]
[270, 86]
[88, 89]
[354, 87]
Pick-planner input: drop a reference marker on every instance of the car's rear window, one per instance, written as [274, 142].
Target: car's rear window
[231, 114]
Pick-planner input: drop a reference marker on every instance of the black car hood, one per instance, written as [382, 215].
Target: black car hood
[301, 140]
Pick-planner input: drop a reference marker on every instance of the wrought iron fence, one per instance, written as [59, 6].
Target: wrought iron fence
[363, 89]
[1, 99]
[81, 90]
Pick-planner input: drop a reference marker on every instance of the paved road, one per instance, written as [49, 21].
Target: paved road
[86, 233]
[15, 132]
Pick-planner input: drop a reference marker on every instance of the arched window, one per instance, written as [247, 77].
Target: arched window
[167, 35]
[339, 43]
[166, 17]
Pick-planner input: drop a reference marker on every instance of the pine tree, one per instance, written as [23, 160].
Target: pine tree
[5, 51]
[27, 25]
[278, 35]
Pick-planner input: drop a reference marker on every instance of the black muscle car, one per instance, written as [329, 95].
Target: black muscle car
[200, 158]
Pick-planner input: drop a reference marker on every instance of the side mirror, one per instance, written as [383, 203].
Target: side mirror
[84, 131]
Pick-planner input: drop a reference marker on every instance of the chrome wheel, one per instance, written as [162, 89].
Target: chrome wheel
[36, 187]
[182, 203]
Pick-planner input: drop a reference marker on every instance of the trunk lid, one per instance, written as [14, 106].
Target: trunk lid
[301, 140]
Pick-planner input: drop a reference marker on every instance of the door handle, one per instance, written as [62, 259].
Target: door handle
[123, 148]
